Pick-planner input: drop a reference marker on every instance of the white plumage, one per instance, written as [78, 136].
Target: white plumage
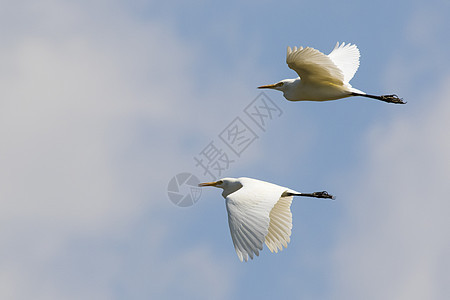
[346, 58]
[324, 77]
[258, 212]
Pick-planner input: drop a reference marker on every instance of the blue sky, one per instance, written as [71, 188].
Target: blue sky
[103, 102]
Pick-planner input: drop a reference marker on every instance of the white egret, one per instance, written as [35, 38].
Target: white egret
[323, 77]
[258, 212]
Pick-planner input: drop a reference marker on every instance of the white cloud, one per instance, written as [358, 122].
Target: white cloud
[77, 85]
[397, 236]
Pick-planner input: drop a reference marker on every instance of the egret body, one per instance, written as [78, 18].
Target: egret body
[258, 212]
[324, 77]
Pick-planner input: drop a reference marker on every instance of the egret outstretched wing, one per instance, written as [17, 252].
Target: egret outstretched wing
[250, 210]
[312, 65]
[346, 58]
[280, 226]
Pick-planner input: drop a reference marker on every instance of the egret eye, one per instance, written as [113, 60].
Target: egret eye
[220, 182]
[280, 84]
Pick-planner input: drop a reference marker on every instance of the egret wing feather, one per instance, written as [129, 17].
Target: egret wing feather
[249, 211]
[312, 65]
[346, 58]
[248, 226]
[280, 226]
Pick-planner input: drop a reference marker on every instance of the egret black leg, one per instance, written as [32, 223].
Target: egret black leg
[386, 98]
[323, 195]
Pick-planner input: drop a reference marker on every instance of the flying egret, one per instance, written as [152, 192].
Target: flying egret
[323, 77]
[258, 212]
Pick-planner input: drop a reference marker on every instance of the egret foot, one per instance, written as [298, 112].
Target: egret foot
[392, 99]
[323, 194]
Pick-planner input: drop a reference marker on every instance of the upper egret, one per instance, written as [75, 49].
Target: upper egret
[258, 212]
[323, 77]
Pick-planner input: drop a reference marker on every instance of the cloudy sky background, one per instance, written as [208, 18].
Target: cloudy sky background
[102, 102]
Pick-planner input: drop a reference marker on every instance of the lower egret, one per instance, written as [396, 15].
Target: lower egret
[324, 77]
[258, 212]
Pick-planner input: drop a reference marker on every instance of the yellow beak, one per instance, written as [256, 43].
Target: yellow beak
[208, 184]
[269, 86]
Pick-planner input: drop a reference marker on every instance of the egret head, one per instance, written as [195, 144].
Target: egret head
[229, 185]
[284, 86]
[280, 86]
